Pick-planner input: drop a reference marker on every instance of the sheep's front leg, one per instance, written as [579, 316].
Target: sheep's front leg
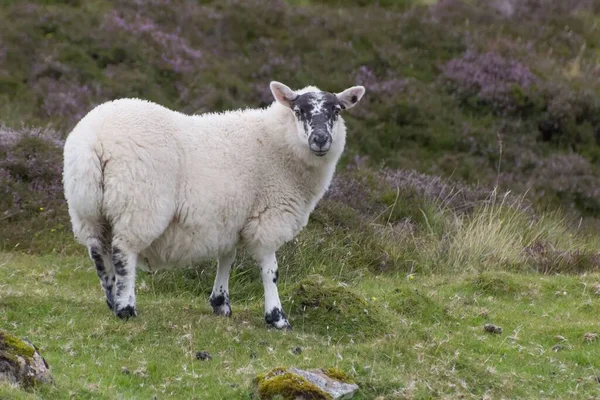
[219, 298]
[274, 314]
[124, 263]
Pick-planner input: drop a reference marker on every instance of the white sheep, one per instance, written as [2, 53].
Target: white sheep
[152, 187]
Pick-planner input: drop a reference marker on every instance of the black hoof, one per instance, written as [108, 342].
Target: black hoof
[126, 312]
[277, 319]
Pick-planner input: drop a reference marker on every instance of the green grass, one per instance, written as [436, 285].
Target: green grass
[429, 340]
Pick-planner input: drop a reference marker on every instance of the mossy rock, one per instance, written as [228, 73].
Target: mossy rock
[413, 303]
[286, 385]
[296, 384]
[20, 362]
[326, 308]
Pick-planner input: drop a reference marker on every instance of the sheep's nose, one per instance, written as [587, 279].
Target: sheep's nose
[320, 140]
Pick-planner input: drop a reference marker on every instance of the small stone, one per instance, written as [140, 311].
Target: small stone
[125, 370]
[484, 313]
[590, 337]
[298, 350]
[203, 355]
[557, 347]
[263, 343]
[596, 288]
[491, 328]
[21, 362]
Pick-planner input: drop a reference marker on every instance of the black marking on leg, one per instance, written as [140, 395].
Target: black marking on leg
[120, 287]
[220, 304]
[104, 278]
[120, 265]
[218, 301]
[109, 296]
[98, 262]
[120, 270]
[276, 277]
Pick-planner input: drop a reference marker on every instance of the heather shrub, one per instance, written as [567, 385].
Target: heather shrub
[490, 80]
[571, 120]
[31, 195]
[569, 181]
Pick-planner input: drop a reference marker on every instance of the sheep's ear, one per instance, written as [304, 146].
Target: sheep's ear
[283, 94]
[349, 97]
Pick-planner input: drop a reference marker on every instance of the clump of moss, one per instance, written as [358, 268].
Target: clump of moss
[13, 345]
[338, 374]
[326, 308]
[411, 302]
[284, 384]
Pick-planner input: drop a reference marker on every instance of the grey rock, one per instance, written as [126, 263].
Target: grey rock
[335, 388]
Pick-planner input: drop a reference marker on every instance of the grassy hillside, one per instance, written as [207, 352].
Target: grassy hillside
[444, 81]
[469, 194]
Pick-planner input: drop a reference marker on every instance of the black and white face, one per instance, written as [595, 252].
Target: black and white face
[316, 113]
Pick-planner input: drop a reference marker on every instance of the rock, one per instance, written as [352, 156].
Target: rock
[491, 328]
[203, 355]
[297, 384]
[557, 347]
[21, 363]
[590, 337]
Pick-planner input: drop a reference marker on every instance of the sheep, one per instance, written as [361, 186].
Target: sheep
[151, 188]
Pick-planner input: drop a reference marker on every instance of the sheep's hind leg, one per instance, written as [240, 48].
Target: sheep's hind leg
[124, 262]
[219, 298]
[104, 269]
[274, 314]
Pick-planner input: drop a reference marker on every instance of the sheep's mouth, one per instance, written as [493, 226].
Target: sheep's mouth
[319, 153]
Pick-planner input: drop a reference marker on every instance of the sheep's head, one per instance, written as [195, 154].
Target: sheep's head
[316, 112]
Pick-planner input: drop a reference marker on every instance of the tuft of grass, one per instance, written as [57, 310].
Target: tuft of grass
[334, 311]
[411, 302]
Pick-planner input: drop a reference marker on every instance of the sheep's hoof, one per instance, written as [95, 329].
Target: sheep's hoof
[126, 312]
[223, 310]
[220, 305]
[277, 319]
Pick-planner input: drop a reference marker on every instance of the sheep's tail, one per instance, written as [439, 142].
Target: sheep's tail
[83, 180]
